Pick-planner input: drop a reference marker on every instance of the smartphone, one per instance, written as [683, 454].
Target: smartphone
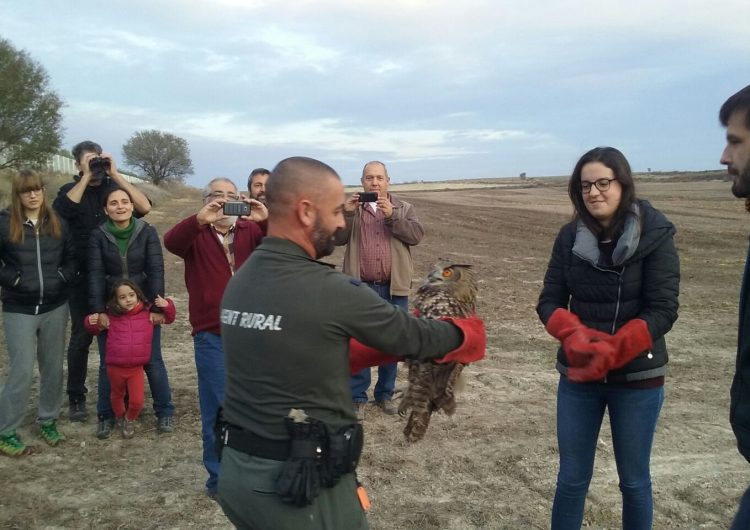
[236, 208]
[368, 196]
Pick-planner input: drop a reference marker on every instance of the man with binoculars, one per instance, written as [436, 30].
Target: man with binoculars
[80, 203]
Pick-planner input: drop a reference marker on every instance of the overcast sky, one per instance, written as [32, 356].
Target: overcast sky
[436, 89]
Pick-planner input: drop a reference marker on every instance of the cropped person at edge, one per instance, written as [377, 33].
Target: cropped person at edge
[735, 116]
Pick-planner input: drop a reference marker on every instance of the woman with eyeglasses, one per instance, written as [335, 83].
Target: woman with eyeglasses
[610, 295]
[37, 261]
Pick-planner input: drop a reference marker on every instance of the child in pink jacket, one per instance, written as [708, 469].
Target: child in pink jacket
[128, 346]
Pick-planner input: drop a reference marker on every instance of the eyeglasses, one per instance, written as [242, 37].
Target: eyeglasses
[601, 185]
[222, 195]
[27, 193]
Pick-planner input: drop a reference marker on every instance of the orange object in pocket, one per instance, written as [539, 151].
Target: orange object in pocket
[364, 500]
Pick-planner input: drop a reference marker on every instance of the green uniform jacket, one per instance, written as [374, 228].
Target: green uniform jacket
[286, 324]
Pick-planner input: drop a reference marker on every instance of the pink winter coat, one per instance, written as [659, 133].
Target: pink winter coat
[129, 336]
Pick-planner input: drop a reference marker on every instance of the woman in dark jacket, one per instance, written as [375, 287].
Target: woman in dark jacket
[610, 295]
[36, 263]
[124, 247]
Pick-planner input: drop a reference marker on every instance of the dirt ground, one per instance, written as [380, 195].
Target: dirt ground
[493, 464]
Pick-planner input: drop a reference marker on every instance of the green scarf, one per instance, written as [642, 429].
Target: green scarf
[122, 235]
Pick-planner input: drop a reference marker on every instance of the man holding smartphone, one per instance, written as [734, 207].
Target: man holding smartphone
[213, 245]
[380, 231]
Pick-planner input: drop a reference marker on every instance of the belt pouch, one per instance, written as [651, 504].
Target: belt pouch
[299, 481]
[220, 430]
[344, 449]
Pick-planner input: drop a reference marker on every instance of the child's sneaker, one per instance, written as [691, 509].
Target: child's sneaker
[11, 445]
[128, 430]
[50, 433]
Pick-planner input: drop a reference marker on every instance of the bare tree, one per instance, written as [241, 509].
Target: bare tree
[30, 120]
[163, 157]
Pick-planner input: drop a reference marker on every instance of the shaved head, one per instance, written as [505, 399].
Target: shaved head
[293, 179]
[305, 200]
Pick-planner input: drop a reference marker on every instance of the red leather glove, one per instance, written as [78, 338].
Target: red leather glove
[577, 340]
[474, 344]
[593, 361]
[562, 324]
[361, 357]
[629, 342]
[611, 353]
[581, 345]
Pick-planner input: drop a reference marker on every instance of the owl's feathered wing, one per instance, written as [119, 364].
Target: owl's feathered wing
[431, 386]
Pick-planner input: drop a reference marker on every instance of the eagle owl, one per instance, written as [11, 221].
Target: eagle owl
[449, 291]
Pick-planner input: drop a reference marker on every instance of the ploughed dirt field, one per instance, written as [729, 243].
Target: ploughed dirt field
[493, 464]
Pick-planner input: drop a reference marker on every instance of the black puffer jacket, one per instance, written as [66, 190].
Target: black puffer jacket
[35, 274]
[143, 263]
[84, 216]
[645, 285]
[739, 409]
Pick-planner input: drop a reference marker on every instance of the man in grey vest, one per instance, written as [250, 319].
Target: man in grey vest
[378, 235]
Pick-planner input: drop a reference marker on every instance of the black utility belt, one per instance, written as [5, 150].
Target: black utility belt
[344, 447]
[314, 457]
[254, 445]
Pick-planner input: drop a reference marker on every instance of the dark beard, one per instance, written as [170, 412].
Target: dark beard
[322, 242]
[741, 183]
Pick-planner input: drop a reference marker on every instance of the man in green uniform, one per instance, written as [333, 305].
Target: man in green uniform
[287, 340]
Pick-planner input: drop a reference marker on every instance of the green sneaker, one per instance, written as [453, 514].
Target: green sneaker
[50, 432]
[11, 445]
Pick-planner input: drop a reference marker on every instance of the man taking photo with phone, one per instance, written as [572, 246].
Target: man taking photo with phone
[213, 245]
[380, 231]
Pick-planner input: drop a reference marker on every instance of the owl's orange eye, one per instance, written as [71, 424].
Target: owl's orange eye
[447, 273]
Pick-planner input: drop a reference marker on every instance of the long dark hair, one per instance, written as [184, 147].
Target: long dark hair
[616, 161]
[112, 304]
[48, 222]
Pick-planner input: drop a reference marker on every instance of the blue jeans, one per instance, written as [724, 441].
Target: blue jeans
[742, 519]
[633, 414]
[386, 384]
[156, 373]
[209, 362]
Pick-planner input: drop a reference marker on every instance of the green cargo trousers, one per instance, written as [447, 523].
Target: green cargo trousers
[247, 494]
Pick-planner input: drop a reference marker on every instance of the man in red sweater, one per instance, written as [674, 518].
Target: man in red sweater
[213, 247]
